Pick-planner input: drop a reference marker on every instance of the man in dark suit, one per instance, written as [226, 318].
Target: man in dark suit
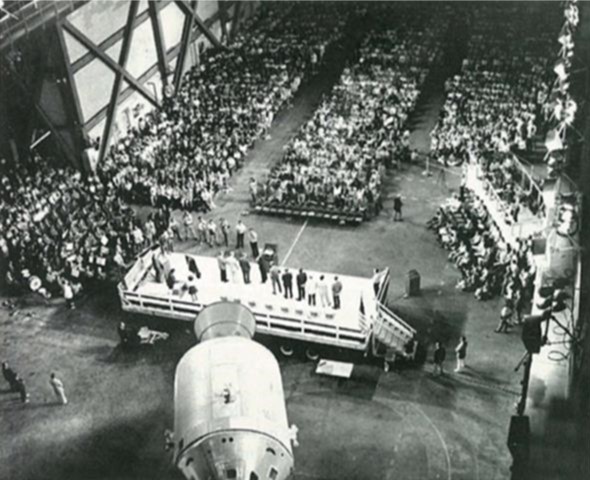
[192, 266]
[264, 266]
[245, 266]
[301, 281]
[288, 283]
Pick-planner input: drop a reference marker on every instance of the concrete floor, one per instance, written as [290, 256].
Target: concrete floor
[407, 425]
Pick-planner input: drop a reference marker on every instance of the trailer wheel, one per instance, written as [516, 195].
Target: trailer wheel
[312, 354]
[286, 350]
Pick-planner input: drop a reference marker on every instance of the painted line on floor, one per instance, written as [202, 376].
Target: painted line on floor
[440, 437]
[290, 251]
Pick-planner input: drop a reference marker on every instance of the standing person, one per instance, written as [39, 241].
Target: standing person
[10, 376]
[201, 229]
[301, 280]
[191, 288]
[275, 273]
[397, 208]
[461, 352]
[233, 267]
[212, 233]
[21, 388]
[253, 239]
[150, 230]
[505, 316]
[224, 227]
[263, 266]
[69, 295]
[440, 353]
[336, 290]
[323, 292]
[312, 291]
[174, 226]
[240, 232]
[187, 221]
[58, 389]
[288, 283]
[245, 266]
[222, 266]
[253, 188]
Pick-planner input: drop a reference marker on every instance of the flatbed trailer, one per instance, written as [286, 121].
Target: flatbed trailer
[363, 323]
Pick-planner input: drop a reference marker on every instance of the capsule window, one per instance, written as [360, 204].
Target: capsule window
[231, 473]
[189, 460]
[253, 476]
[270, 450]
[273, 474]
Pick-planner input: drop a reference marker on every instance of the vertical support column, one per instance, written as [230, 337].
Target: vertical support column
[115, 93]
[184, 44]
[222, 8]
[235, 20]
[70, 92]
[154, 11]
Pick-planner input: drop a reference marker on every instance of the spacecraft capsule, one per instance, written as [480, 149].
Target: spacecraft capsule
[230, 419]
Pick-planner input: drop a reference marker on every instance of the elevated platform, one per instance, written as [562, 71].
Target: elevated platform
[350, 327]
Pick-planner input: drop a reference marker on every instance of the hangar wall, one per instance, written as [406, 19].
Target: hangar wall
[95, 37]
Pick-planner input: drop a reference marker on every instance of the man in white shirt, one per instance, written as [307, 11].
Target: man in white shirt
[323, 291]
[58, 389]
[240, 232]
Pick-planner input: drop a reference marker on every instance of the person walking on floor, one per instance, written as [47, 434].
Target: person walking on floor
[245, 266]
[461, 352]
[21, 388]
[253, 239]
[58, 389]
[505, 316]
[275, 274]
[323, 292]
[69, 295]
[336, 291]
[233, 267]
[397, 208]
[440, 353]
[311, 291]
[240, 232]
[288, 283]
[10, 376]
[301, 280]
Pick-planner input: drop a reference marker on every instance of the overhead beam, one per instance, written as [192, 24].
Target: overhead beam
[116, 92]
[90, 45]
[184, 6]
[184, 44]
[154, 12]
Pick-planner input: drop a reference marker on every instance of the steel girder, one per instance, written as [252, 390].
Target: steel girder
[154, 12]
[114, 66]
[116, 92]
[235, 20]
[184, 44]
[185, 7]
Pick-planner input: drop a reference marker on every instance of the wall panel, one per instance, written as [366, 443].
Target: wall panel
[172, 20]
[142, 54]
[99, 19]
[94, 83]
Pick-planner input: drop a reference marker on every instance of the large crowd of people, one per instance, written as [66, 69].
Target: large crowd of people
[489, 265]
[496, 102]
[337, 160]
[184, 153]
[60, 228]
